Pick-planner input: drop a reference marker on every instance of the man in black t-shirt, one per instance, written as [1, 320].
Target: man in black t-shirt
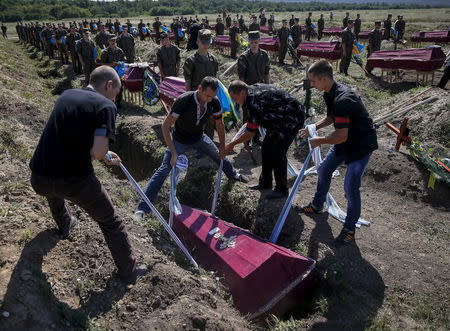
[354, 140]
[78, 131]
[282, 116]
[189, 114]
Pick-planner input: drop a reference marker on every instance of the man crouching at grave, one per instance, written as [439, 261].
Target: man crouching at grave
[282, 116]
[354, 139]
[189, 114]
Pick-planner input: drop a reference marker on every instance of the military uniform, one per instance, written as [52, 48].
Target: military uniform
[167, 58]
[71, 41]
[111, 55]
[375, 37]
[101, 39]
[228, 21]
[254, 27]
[357, 27]
[220, 28]
[86, 49]
[62, 49]
[283, 35]
[296, 33]
[197, 67]
[253, 68]
[387, 28]
[156, 26]
[399, 26]
[348, 38]
[345, 21]
[126, 44]
[320, 27]
[309, 28]
[234, 34]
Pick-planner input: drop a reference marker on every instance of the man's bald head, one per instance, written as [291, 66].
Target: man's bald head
[102, 75]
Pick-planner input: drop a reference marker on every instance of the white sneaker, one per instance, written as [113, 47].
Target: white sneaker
[138, 215]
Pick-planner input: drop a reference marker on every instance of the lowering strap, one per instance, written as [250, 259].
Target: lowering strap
[217, 189]
[156, 213]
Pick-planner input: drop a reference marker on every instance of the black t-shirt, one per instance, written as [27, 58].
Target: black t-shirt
[64, 146]
[348, 111]
[190, 123]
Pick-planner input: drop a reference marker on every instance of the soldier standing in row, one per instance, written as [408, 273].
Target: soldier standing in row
[283, 35]
[309, 28]
[234, 39]
[71, 41]
[345, 20]
[4, 30]
[168, 58]
[111, 56]
[198, 66]
[60, 36]
[126, 43]
[156, 26]
[220, 27]
[85, 49]
[228, 21]
[357, 26]
[101, 39]
[271, 23]
[140, 26]
[254, 26]
[291, 21]
[387, 27]
[296, 33]
[399, 26]
[348, 39]
[375, 37]
[320, 26]
[254, 64]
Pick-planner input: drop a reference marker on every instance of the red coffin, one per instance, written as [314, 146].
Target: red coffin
[264, 29]
[269, 44]
[133, 79]
[262, 277]
[365, 34]
[332, 31]
[171, 88]
[421, 59]
[431, 36]
[222, 41]
[322, 49]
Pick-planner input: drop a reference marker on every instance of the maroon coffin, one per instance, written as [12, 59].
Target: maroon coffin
[133, 79]
[269, 44]
[262, 277]
[332, 31]
[420, 59]
[330, 50]
[431, 36]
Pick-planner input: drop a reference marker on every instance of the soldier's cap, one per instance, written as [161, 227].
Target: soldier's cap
[284, 20]
[86, 30]
[163, 35]
[350, 22]
[112, 37]
[401, 16]
[378, 22]
[204, 35]
[253, 35]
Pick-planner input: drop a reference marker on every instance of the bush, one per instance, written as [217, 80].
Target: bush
[186, 10]
[161, 11]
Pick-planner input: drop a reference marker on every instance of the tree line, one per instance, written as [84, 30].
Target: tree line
[26, 10]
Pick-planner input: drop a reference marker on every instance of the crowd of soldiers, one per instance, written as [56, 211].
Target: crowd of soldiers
[78, 42]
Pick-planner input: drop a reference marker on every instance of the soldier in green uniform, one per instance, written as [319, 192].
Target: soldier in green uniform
[228, 21]
[111, 56]
[71, 40]
[198, 66]
[387, 27]
[348, 39]
[309, 28]
[85, 49]
[126, 43]
[168, 57]
[101, 39]
[156, 25]
[296, 33]
[399, 26]
[220, 27]
[357, 26]
[375, 37]
[254, 26]
[60, 35]
[254, 64]
[283, 35]
[320, 27]
[234, 39]
[345, 20]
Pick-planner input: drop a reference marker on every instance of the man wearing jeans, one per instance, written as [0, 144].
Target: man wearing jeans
[189, 114]
[354, 139]
[78, 131]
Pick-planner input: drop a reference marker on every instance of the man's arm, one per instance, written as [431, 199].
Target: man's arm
[319, 125]
[167, 124]
[99, 147]
[246, 136]
[338, 136]
[221, 133]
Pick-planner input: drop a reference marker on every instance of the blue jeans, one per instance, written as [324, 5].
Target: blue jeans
[352, 182]
[204, 146]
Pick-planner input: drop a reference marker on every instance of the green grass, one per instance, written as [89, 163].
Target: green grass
[25, 237]
[10, 142]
